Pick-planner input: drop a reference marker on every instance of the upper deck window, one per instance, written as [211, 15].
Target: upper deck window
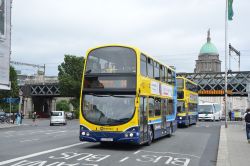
[156, 71]
[143, 65]
[113, 59]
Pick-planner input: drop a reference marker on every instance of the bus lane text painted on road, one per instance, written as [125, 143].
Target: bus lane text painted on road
[77, 159]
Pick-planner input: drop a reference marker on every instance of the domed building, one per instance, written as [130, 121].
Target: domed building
[208, 59]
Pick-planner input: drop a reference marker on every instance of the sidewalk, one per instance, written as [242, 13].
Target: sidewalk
[233, 149]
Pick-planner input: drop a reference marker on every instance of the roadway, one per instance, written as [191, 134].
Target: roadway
[45, 145]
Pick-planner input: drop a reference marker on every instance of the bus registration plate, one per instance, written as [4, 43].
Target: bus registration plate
[107, 139]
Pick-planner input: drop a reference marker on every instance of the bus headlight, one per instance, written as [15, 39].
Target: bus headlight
[83, 133]
[180, 117]
[87, 133]
[126, 135]
[131, 134]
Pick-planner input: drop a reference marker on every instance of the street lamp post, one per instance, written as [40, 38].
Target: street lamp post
[226, 69]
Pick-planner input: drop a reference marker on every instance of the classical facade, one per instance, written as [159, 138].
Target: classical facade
[208, 59]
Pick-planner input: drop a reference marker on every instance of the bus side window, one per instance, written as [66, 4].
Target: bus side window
[143, 65]
[151, 107]
[164, 105]
[166, 75]
[162, 73]
[170, 107]
[157, 107]
[156, 71]
[169, 76]
[150, 68]
[173, 79]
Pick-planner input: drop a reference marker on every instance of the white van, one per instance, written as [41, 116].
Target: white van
[57, 117]
[209, 111]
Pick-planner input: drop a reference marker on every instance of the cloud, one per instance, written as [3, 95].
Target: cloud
[172, 31]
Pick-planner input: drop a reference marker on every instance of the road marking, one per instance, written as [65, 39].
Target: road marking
[137, 152]
[40, 153]
[168, 153]
[29, 140]
[124, 159]
[55, 132]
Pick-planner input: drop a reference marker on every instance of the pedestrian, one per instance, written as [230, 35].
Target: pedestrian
[22, 115]
[34, 116]
[230, 115]
[247, 120]
[13, 117]
[18, 118]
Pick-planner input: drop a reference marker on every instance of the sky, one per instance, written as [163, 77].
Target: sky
[173, 32]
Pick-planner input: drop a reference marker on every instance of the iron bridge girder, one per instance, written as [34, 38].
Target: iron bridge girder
[237, 81]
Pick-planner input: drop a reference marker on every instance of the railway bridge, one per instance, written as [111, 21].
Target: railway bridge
[41, 94]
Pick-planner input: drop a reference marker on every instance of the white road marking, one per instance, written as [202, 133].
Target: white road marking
[124, 159]
[137, 152]
[168, 153]
[39, 153]
[29, 140]
[55, 132]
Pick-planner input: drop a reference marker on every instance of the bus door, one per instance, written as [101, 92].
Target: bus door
[164, 114]
[143, 120]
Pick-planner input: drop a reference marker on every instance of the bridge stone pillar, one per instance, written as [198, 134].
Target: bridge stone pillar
[27, 106]
[53, 105]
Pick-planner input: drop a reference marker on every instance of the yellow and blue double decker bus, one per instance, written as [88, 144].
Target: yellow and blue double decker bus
[187, 106]
[126, 96]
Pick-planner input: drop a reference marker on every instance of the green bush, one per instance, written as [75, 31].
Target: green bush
[62, 105]
[76, 114]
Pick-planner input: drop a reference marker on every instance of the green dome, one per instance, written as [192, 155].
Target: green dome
[208, 48]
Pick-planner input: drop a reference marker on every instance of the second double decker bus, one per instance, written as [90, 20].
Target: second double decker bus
[126, 96]
[187, 107]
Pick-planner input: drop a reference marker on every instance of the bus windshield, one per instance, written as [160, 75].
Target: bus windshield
[205, 109]
[111, 60]
[107, 109]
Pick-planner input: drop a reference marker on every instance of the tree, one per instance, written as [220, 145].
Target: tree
[14, 91]
[62, 105]
[70, 77]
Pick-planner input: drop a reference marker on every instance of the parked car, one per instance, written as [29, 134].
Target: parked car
[58, 117]
[2, 116]
[69, 115]
[209, 111]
